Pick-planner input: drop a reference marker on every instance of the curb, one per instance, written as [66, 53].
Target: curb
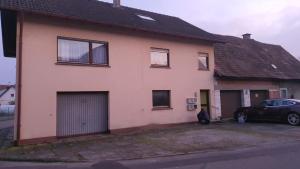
[37, 160]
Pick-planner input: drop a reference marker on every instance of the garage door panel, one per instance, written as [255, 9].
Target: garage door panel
[230, 102]
[81, 113]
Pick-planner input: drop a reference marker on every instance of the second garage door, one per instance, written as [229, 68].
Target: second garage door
[230, 102]
[81, 113]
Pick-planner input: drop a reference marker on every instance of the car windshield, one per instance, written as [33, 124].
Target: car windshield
[266, 103]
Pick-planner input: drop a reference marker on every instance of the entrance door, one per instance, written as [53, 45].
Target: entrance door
[82, 113]
[258, 96]
[204, 97]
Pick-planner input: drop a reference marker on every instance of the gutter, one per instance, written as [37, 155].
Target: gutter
[19, 77]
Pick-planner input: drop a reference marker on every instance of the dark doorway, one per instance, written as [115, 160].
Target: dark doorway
[205, 103]
[257, 96]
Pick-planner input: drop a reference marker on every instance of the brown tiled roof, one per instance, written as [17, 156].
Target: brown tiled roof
[249, 59]
[95, 11]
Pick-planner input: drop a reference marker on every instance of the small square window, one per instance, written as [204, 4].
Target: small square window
[203, 62]
[161, 99]
[159, 57]
[99, 52]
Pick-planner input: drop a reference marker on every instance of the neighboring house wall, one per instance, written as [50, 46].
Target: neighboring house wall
[129, 79]
[245, 88]
[250, 84]
[293, 89]
[8, 97]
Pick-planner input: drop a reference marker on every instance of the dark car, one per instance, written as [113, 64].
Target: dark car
[279, 110]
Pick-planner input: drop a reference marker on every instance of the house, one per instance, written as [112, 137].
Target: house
[248, 71]
[7, 94]
[88, 67]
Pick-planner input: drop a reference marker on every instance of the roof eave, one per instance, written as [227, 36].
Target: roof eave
[224, 77]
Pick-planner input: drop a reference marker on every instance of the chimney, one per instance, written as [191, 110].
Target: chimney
[117, 3]
[247, 36]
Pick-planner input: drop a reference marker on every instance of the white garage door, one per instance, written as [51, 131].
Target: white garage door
[81, 113]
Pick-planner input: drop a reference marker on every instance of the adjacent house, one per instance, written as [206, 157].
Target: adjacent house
[88, 67]
[7, 94]
[248, 71]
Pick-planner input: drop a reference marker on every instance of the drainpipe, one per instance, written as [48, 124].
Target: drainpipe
[19, 76]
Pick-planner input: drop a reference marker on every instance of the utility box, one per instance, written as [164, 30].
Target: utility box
[192, 104]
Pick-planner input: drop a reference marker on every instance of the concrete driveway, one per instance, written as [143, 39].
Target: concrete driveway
[157, 142]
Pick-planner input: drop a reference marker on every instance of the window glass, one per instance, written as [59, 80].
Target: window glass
[286, 103]
[203, 61]
[266, 103]
[99, 52]
[73, 51]
[146, 17]
[159, 57]
[276, 103]
[161, 98]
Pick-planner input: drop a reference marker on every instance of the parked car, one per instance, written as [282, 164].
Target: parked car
[279, 110]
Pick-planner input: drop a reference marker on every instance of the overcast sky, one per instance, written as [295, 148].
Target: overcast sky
[270, 21]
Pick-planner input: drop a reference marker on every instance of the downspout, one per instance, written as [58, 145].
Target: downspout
[19, 76]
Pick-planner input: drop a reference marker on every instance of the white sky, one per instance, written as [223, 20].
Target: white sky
[270, 21]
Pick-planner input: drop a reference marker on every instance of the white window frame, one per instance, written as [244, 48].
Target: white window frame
[281, 93]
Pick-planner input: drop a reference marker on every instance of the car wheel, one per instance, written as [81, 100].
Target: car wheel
[242, 117]
[293, 119]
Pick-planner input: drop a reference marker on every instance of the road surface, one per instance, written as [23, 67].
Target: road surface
[268, 157]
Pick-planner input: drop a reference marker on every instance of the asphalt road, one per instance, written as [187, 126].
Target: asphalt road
[269, 157]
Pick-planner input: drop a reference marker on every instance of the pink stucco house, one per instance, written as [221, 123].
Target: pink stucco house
[89, 67]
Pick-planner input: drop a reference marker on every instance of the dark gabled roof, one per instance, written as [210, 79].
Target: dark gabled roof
[104, 13]
[249, 59]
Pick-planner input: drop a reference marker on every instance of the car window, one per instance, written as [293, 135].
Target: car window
[286, 103]
[266, 103]
[276, 103]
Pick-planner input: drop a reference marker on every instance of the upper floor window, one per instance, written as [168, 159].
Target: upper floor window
[82, 52]
[160, 57]
[203, 62]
